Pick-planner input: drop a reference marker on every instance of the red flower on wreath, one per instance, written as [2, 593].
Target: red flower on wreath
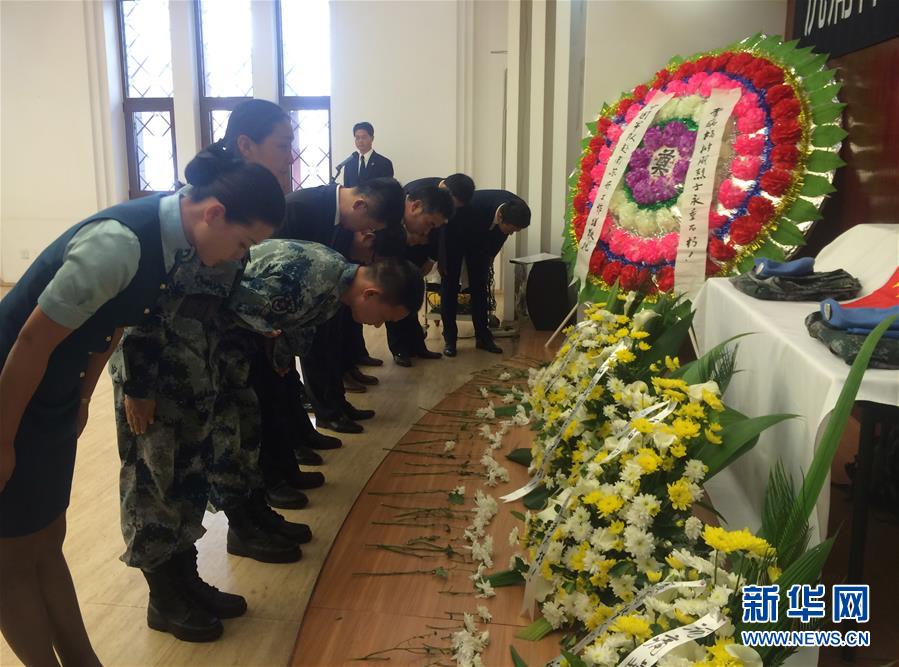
[744, 229]
[768, 75]
[761, 208]
[628, 278]
[787, 108]
[664, 278]
[775, 182]
[720, 250]
[786, 132]
[777, 93]
[597, 261]
[784, 156]
[610, 272]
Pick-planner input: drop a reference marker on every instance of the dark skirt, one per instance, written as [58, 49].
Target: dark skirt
[41, 484]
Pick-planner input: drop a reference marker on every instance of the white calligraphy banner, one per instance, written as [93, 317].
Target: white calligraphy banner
[699, 191]
[616, 166]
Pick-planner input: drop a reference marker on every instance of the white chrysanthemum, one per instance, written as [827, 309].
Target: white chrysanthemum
[695, 470]
[485, 431]
[600, 654]
[554, 552]
[486, 412]
[449, 445]
[508, 398]
[625, 490]
[623, 586]
[521, 416]
[615, 385]
[638, 542]
[505, 375]
[484, 392]
[478, 573]
[459, 490]
[484, 613]
[631, 472]
[693, 528]
[553, 614]
[609, 411]
[513, 537]
[485, 589]
[720, 596]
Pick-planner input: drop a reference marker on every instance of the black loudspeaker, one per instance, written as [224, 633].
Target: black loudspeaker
[547, 294]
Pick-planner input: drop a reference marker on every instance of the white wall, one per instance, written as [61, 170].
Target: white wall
[48, 162]
[490, 45]
[394, 64]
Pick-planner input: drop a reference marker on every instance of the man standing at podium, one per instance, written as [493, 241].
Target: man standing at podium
[366, 163]
[476, 234]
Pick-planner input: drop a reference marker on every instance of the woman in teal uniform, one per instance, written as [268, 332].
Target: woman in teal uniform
[58, 327]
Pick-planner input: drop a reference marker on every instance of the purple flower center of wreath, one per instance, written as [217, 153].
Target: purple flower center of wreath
[658, 167]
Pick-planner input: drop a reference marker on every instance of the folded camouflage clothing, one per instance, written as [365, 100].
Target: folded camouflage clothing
[846, 345]
[812, 287]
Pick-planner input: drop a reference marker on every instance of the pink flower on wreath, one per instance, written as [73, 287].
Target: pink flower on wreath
[605, 153]
[613, 132]
[746, 168]
[632, 112]
[714, 80]
[676, 87]
[597, 172]
[650, 95]
[653, 252]
[695, 81]
[751, 121]
[669, 246]
[749, 144]
[730, 195]
[592, 196]
[608, 227]
[749, 101]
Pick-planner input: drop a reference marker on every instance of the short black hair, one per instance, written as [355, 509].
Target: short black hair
[386, 200]
[461, 186]
[248, 191]
[435, 200]
[364, 125]
[390, 242]
[400, 282]
[256, 119]
[516, 213]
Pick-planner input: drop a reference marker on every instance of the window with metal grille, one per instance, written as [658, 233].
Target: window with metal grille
[146, 59]
[225, 59]
[305, 87]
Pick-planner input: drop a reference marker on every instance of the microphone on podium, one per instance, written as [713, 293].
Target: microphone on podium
[341, 165]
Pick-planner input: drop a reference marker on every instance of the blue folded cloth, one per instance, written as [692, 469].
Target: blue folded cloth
[768, 268]
[856, 320]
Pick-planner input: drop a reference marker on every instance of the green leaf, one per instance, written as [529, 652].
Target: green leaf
[675, 60]
[821, 462]
[535, 631]
[828, 135]
[827, 113]
[505, 578]
[737, 439]
[749, 42]
[818, 79]
[516, 659]
[670, 341]
[811, 67]
[522, 456]
[505, 410]
[785, 49]
[788, 234]
[825, 95]
[745, 264]
[573, 660]
[769, 44]
[780, 496]
[822, 161]
[803, 211]
[591, 127]
[518, 515]
[536, 499]
[815, 186]
[456, 498]
[585, 142]
[699, 370]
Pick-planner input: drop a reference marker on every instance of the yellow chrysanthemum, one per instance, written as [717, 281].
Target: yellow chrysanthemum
[711, 437]
[683, 618]
[625, 356]
[643, 346]
[616, 527]
[680, 495]
[601, 613]
[643, 425]
[639, 335]
[774, 573]
[654, 576]
[736, 540]
[609, 504]
[648, 460]
[674, 562]
[711, 400]
[693, 410]
[672, 364]
[633, 626]
[678, 450]
[685, 428]
[570, 429]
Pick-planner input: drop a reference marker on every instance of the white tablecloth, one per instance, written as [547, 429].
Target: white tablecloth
[785, 370]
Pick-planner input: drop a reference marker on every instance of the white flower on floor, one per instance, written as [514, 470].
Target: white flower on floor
[484, 392]
[484, 613]
[485, 430]
[508, 398]
[486, 412]
[483, 551]
[449, 445]
[459, 490]
[521, 417]
[485, 589]
[553, 614]
[468, 644]
[513, 537]
[505, 375]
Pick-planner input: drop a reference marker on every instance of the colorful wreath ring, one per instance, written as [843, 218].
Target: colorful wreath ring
[777, 160]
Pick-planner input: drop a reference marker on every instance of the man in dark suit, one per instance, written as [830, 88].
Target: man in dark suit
[330, 215]
[476, 234]
[365, 164]
[405, 337]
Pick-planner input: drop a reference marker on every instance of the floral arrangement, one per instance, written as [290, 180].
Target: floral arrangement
[616, 556]
[778, 155]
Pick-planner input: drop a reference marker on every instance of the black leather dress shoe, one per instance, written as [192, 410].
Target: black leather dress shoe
[489, 346]
[341, 425]
[368, 360]
[306, 457]
[316, 440]
[449, 351]
[361, 377]
[284, 496]
[306, 480]
[427, 354]
[353, 386]
[355, 414]
[402, 360]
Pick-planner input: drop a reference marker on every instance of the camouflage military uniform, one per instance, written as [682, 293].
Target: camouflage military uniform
[163, 478]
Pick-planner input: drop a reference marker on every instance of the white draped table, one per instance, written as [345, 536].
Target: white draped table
[787, 371]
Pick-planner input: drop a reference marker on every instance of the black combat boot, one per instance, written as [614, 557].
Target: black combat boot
[223, 605]
[247, 538]
[273, 522]
[170, 610]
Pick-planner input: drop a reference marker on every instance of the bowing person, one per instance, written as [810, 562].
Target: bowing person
[475, 236]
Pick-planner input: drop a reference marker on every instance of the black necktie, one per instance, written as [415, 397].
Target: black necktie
[361, 163]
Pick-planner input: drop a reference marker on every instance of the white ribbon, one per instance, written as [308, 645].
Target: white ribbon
[652, 650]
[698, 192]
[625, 146]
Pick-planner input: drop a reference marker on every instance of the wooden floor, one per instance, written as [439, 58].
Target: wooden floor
[113, 597]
